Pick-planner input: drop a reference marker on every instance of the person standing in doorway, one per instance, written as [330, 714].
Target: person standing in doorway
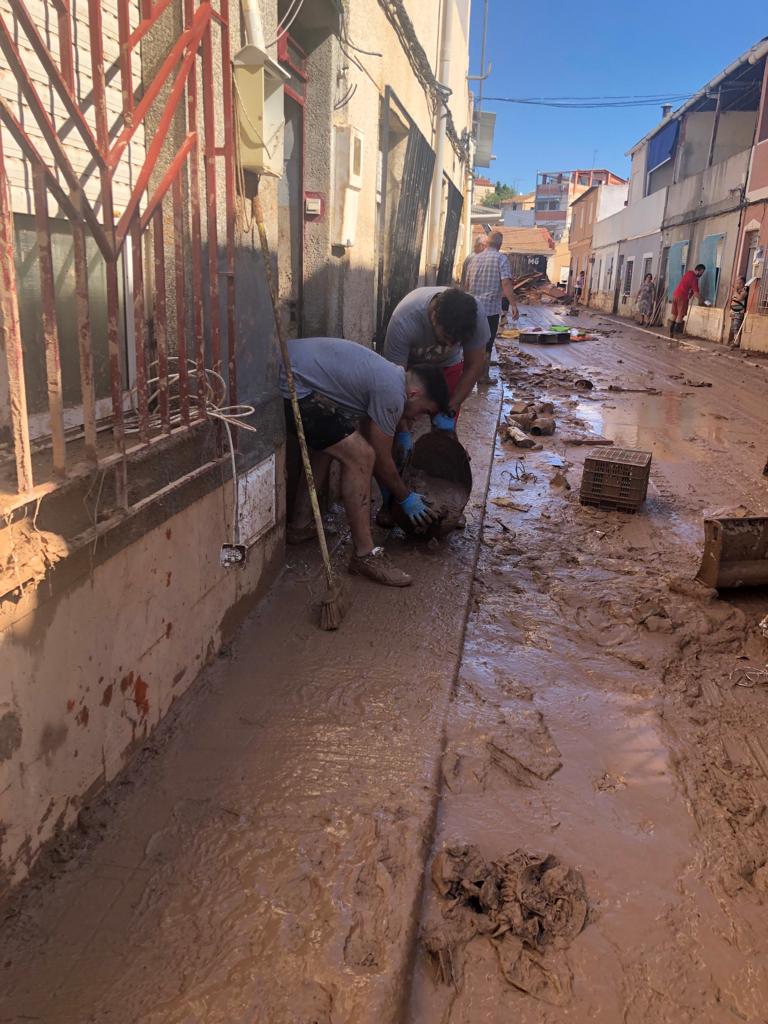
[489, 277]
[689, 286]
[480, 245]
[579, 285]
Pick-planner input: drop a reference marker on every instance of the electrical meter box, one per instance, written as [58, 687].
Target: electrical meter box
[348, 182]
[260, 113]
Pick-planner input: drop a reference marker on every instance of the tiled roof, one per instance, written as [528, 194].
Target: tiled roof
[526, 240]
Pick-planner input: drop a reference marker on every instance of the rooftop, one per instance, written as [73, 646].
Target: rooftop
[532, 241]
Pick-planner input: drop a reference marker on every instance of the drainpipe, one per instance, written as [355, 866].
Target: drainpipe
[436, 197]
[254, 33]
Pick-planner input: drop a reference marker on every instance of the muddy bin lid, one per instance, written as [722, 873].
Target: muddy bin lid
[440, 470]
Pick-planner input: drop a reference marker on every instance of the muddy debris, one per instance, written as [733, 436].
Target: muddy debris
[529, 906]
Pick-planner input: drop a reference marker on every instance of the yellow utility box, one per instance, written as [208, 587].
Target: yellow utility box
[260, 114]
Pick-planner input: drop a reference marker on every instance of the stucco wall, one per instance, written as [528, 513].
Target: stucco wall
[89, 671]
[754, 336]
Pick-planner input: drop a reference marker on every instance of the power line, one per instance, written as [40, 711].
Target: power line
[589, 102]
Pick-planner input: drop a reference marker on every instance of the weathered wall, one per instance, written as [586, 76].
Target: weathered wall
[89, 669]
[754, 336]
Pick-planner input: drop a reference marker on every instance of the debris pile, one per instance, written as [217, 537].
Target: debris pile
[528, 418]
[529, 906]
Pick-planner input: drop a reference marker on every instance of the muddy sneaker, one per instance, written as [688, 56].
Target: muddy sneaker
[377, 566]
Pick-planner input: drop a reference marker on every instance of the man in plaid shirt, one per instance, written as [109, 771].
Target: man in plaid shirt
[488, 278]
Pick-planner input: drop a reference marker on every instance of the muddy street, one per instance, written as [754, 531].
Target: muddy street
[354, 827]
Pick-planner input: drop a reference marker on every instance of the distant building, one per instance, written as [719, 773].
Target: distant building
[595, 204]
[556, 190]
[529, 249]
[697, 194]
[519, 211]
[483, 187]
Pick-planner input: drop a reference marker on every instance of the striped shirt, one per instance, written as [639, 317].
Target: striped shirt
[485, 272]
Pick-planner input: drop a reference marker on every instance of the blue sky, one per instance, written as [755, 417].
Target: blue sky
[619, 48]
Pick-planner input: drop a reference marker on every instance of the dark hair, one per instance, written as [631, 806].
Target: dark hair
[699, 266]
[495, 239]
[432, 379]
[456, 312]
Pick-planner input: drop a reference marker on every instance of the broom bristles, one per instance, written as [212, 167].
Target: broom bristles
[334, 605]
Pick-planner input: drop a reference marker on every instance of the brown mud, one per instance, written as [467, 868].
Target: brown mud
[605, 743]
[631, 699]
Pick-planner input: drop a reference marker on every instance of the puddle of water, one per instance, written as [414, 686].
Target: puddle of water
[663, 424]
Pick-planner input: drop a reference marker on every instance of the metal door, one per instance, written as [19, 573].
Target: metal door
[618, 284]
[406, 234]
[453, 210]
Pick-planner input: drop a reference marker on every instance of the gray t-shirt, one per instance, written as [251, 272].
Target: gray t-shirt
[411, 339]
[352, 376]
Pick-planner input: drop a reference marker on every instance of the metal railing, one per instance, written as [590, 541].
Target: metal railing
[169, 363]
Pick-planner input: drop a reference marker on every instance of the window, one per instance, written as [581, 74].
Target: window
[647, 266]
[599, 274]
[762, 298]
[711, 254]
[628, 278]
[749, 248]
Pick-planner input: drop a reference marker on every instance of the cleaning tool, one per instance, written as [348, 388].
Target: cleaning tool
[335, 601]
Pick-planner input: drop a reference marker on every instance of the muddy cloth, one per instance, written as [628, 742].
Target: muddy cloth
[529, 906]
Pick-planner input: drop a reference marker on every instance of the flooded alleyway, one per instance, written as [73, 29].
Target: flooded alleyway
[268, 859]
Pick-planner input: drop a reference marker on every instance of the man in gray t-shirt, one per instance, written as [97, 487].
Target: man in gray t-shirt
[351, 401]
[442, 327]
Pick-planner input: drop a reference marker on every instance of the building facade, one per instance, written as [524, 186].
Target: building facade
[557, 190]
[687, 200]
[597, 203]
[753, 240]
[142, 428]
[519, 212]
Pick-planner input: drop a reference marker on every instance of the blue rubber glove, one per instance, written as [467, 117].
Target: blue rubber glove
[403, 447]
[444, 421]
[417, 510]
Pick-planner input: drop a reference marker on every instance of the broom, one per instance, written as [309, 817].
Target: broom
[335, 601]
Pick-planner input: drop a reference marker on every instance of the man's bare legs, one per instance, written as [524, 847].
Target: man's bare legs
[357, 459]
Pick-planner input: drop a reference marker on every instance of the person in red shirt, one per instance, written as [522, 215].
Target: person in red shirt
[689, 285]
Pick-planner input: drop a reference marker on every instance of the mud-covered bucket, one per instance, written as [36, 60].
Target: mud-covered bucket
[439, 470]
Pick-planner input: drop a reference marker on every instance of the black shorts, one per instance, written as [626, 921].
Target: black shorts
[324, 422]
[493, 325]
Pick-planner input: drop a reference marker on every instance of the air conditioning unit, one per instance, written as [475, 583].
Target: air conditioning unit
[348, 182]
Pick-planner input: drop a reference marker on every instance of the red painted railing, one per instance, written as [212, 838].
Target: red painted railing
[164, 395]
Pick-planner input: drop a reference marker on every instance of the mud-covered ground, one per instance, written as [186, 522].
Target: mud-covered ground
[610, 712]
[559, 817]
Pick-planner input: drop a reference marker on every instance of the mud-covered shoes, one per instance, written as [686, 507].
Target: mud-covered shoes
[377, 566]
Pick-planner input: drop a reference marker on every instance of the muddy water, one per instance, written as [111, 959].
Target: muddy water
[588, 640]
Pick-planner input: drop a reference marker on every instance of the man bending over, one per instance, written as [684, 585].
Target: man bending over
[351, 401]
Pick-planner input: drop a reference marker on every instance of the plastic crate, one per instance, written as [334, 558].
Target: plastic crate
[615, 478]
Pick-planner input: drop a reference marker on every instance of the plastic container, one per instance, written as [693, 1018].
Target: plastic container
[615, 478]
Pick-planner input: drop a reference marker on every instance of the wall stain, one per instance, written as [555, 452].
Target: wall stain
[179, 676]
[70, 705]
[51, 738]
[83, 715]
[168, 630]
[106, 697]
[141, 696]
[168, 576]
[126, 683]
[10, 735]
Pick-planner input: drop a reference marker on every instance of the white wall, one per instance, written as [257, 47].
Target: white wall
[639, 219]
[610, 199]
